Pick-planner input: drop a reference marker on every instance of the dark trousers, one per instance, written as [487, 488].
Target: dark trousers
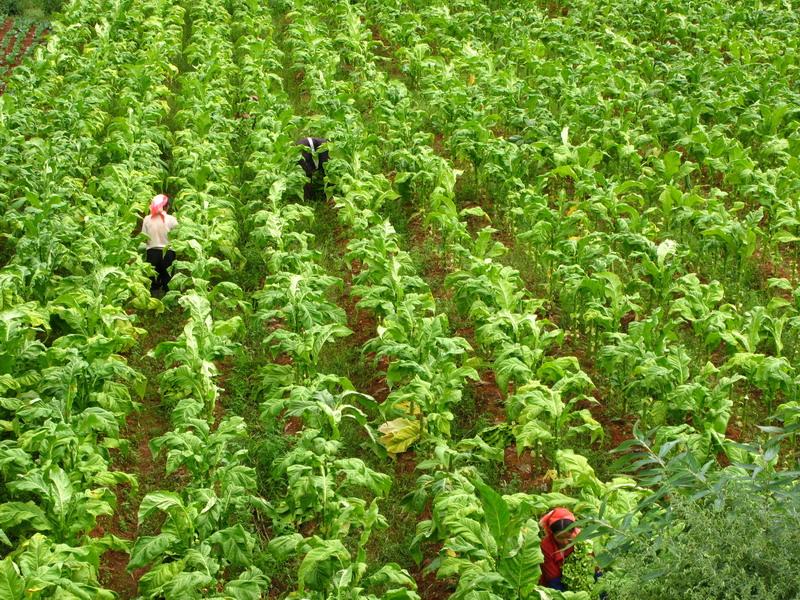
[161, 261]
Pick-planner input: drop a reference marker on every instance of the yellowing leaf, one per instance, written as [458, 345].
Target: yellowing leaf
[399, 434]
[405, 406]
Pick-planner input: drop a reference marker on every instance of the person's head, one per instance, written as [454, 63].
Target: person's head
[158, 205]
[564, 531]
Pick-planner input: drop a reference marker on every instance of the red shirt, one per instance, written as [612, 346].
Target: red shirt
[553, 555]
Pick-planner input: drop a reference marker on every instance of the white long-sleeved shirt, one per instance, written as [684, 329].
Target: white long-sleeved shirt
[157, 230]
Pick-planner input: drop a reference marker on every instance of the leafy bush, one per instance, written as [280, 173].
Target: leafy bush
[30, 7]
[578, 573]
[741, 544]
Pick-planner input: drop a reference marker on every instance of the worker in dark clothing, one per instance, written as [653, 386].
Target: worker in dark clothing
[313, 163]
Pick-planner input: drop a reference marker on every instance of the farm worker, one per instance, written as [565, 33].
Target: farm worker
[156, 226]
[312, 161]
[557, 526]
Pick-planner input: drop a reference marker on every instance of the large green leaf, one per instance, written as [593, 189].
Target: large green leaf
[154, 501]
[237, 544]
[61, 491]
[391, 574]
[521, 567]
[148, 548]
[159, 576]
[321, 561]
[496, 513]
[357, 473]
[283, 546]
[14, 513]
[250, 585]
[184, 584]
[12, 586]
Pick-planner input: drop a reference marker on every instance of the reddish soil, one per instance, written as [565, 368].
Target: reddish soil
[530, 471]
[406, 464]
[767, 269]
[626, 320]
[293, 425]
[279, 588]
[438, 144]
[475, 222]
[435, 267]
[488, 397]
[572, 346]
[361, 322]
[378, 388]
[505, 236]
[428, 586]
[384, 50]
[733, 432]
[225, 370]
[616, 429]
[283, 359]
[140, 429]
[556, 10]
[719, 355]
[382, 46]
[7, 24]
[709, 178]
[7, 44]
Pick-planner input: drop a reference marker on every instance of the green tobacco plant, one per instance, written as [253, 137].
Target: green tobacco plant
[200, 546]
[209, 456]
[60, 509]
[305, 347]
[298, 300]
[491, 542]
[542, 419]
[41, 568]
[427, 370]
[328, 569]
[325, 410]
[203, 340]
[320, 486]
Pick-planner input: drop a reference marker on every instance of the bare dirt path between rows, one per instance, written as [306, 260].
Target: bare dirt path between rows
[142, 426]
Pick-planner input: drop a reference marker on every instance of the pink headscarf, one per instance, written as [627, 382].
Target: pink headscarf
[554, 555]
[157, 205]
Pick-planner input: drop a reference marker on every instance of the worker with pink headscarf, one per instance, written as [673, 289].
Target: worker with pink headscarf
[157, 226]
[559, 530]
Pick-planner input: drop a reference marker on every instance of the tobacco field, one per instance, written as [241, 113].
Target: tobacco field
[555, 262]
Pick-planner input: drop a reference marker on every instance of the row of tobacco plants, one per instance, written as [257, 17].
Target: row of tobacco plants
[618, 276]
[488, 542]
[71, 280]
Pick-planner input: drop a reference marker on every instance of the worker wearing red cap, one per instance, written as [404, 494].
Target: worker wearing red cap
[558, 526]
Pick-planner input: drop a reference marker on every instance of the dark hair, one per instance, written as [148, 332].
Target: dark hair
[560, 525]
